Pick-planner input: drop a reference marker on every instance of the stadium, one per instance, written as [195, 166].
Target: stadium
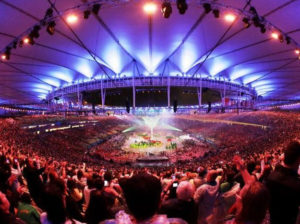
[149, 111]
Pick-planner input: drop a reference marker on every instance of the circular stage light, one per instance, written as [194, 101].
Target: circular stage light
[150, 8]
[230, 17]
[26, 40]
[275, 36]
[71, 19]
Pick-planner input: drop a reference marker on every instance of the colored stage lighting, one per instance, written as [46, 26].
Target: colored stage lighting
[150, 8]
[275, 35]
[7, 53]
[72, 18]
[230, 17]
[26, 40]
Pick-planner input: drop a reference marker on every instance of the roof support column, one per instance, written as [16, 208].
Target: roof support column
[224, 95]
[169, 92]
[103, 93]
[200, 92]
[64, 102]
[48, 102]
[78, 95]
[80, 100]
[54, 102]
[252, 102]
[63, 99]
[133, 94]
[104, 96]
[238, 100]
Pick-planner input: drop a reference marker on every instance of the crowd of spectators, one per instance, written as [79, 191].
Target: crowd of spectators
[248, 181]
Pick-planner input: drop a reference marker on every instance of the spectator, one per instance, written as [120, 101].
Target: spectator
[23, 155]
[5, 216]
[183, 206]
[34, 180]
[74, 200]
[87, 189]
[26, 211]
[252, 204]
[98, 208]
[284, 187]
[55, 209]
[206, 195]
[142, 201]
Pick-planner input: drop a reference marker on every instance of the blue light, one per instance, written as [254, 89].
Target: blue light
[262, 90]
[43, 86]
[156, 60]
[85, 69]
[113, 57]
[218, 65]
[237, 73]
[248, 79]
[143, 57]
[42, 96]
[260, 83]
[53, 82]
[39, 90]
[187, 57]
[173, 74]
[63, 76]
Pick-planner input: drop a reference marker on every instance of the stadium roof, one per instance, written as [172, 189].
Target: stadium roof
[123, 40]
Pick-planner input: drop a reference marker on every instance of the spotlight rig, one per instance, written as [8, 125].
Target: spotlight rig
[6, 54]
[86, 14]
[29, 39]
[207, 7]
[281, 38]
[48, 14]
[262, 28]
[35, 32]
[14, 45]
[246, 22]
[216, 13]
[166, 9]
[96, 9]
[21, 43]
[251, 17]
[256, 21]
[182, 6]
[51, 27]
